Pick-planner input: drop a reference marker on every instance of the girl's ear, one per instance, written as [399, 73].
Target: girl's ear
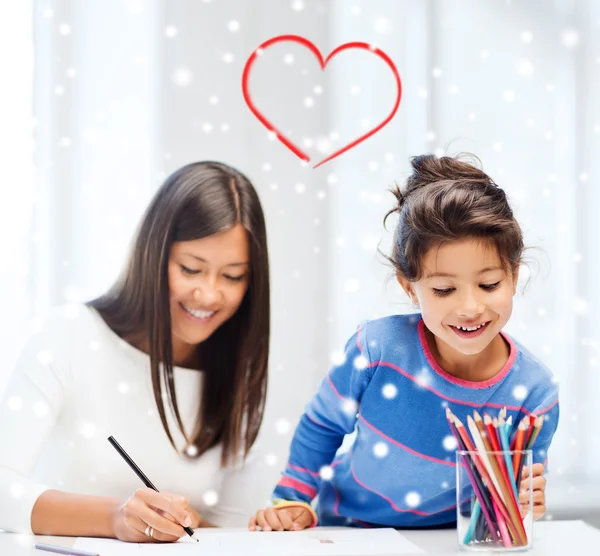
[408, 288]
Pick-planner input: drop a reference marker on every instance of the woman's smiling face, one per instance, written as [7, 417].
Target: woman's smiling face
[208, 279]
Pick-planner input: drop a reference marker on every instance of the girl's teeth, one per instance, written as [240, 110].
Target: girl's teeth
[199, 314]
[470, 329]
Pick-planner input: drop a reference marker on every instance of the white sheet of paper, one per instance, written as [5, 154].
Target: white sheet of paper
[312, 542]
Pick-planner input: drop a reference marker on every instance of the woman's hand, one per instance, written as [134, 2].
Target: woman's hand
[539, 491]
[150, 516]
[292, 518]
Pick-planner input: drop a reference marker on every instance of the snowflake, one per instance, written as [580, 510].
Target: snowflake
[59, 90]
[266, 167]
[214, 99]
[210, 497]
[233, 26]
[64, 29]
[326, 473]
[331, 178]
[436, 73]
[94, 345]
[123, 388]
[520, 392]
[382, 25]
[15, 403]
[423, 379]
[484, 54]
[40, 409]
[355, 10]
[45, 357]
[271, 459]
[297, 5]
[171, 31]
[300, 188]
[380, 449]
[321, 194]
[317, 89]
[274, 186]
[351, 285]
[453, 89]
[323, 144]
[48, 13]
[182, 77]
[338, 358]
[524, 66]
[282, 426]
[389, 391]
[349, 407]
[527, 37]
[309, 102]
[207, 127]
[16, 490]
[445, 485]
[449, 443]
[191, 450]
[508, 95]
[360, 363]
[412, 499]
[373, 166]
[570, 37]
[87, 429]
[228, 57]
[288, 59]
[224, 127]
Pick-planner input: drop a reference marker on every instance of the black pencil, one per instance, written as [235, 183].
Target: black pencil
[141, 475]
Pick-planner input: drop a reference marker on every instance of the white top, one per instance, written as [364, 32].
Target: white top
[75, 384]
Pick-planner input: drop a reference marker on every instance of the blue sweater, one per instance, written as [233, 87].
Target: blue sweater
[401, 467]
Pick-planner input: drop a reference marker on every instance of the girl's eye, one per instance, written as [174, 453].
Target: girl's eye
[443, 292]
[234, 278]
[187, 270]
[490, 287]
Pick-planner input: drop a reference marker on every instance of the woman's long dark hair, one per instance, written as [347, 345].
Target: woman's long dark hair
[197, 201]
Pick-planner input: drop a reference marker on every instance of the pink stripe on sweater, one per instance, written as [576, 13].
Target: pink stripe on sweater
[444, 397]
[297, 485]
[303, 470]
[388, 500]
[400, 445]
[335, 389]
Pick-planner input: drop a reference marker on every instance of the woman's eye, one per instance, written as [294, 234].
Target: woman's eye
[234, 278]
[187, 270]
[490, 287]
[446, 291]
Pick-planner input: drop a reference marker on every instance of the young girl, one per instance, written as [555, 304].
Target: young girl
[457, 253]
[172, 361]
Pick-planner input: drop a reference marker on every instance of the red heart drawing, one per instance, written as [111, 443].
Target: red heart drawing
[305, 42]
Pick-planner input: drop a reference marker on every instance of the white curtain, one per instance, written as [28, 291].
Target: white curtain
[126, 92]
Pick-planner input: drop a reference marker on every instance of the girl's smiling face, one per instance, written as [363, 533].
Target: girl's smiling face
[463, 285]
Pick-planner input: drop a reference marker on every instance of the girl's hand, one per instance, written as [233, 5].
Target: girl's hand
[162, 514]
[539, 491]
[293, 518]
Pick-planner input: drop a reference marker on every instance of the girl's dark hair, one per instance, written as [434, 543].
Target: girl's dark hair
[447, 199]
[197, 201]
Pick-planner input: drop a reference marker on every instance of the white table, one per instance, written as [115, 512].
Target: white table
[551, 538]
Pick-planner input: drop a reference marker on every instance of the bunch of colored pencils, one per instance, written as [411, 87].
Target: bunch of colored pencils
[494, 468]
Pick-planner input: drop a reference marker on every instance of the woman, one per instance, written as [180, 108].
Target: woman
[172, 361]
